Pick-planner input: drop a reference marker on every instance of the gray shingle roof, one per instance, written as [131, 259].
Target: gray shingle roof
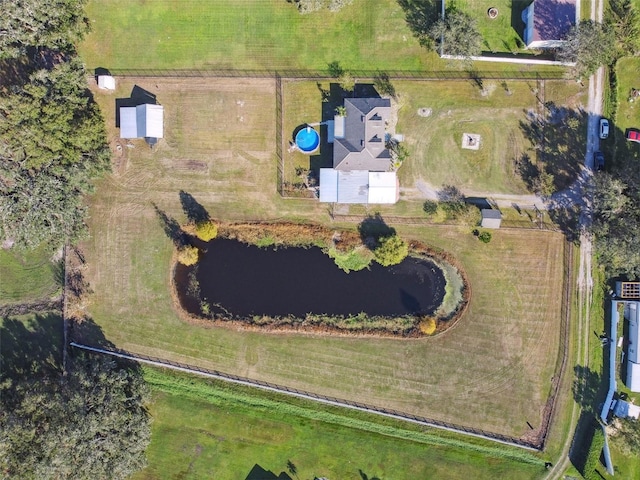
[363, 145]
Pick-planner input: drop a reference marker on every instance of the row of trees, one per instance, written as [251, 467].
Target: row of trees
[91, 424]
[52, 136]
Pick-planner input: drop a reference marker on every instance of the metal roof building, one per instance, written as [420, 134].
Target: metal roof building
[358, 186]
[142, 121]
[491, 218]
[632, 311]
[547, 22]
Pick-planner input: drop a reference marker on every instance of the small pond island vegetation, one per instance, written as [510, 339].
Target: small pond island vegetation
[282, 276]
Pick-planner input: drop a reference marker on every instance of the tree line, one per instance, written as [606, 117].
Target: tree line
[52, 136]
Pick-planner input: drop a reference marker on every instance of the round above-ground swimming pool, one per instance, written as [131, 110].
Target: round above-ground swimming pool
[307, 140]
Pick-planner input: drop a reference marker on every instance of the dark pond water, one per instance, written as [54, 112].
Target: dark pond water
[244, 280]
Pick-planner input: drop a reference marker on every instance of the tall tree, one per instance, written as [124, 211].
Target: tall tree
[457, 34]
[52, 143]
[52, 24]
[590, 45]
[92, 424]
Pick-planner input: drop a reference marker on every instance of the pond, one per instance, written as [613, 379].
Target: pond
[241, 281]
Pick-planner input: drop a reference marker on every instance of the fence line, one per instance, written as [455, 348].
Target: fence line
[495, 437]
[310, 74]
[506, 224]
[563, 354]
[279, 139]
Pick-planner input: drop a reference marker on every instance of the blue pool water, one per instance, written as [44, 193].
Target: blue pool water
[307, 140]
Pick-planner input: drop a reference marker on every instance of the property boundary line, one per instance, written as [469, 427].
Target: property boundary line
[563, 354]
[302, 74]
[279, 127]
[494, 437]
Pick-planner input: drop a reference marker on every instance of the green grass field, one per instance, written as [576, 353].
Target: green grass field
[492, 371]
[434, 142]
[249, 34]
[502, 34]
[27, 276]
[204, 429]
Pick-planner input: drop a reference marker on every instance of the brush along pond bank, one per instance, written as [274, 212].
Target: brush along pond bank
[285, 277]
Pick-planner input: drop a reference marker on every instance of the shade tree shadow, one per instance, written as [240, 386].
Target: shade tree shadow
[420, 16]
[31, 347]
[171, 228]
[194, 211]
[582, 440]
[559, 137]
[586, 387]
[364, 476]
[373, 228]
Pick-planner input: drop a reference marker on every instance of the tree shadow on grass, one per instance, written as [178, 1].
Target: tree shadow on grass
[373, 228]
[364, 476]
[420, 16]
[194, 211]
[31, 346]
[171, 228]
[586, 388]
[559, 136]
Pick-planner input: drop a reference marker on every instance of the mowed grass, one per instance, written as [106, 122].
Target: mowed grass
[434, 143]
[492, 371]
[503, 33]
[204, 429]
[27, 276]
[628, 112]
[249, 34]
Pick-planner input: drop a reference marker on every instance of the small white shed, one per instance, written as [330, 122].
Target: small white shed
[106, 82]
[491, 218]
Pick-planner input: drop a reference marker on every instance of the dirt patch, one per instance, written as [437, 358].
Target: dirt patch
[119, 161]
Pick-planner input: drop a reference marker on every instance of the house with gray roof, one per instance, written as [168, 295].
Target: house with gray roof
[359, 136]
[362, 164]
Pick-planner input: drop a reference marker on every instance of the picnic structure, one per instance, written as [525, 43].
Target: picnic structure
[547, 22]
[362, 163]
[142, 121]
[490, 218]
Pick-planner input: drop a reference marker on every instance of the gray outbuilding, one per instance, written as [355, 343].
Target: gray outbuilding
[490, 218]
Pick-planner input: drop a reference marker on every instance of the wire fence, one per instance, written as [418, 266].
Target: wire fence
[563, 353]
[279, 127]
[496, 437]
[309, 74]
[505, 224]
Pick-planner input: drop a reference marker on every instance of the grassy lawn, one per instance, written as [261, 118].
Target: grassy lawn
[30, 343]
[492, 371]
[251, 34]
[27, 276]
[502, 34]
[434, 142]
[203, 429]
[628, 112]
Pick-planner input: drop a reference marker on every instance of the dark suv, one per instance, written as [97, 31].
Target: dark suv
[598, 161]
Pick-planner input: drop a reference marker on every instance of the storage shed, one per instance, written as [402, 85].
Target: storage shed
[106, 82]
[142, 121]
[490, 218]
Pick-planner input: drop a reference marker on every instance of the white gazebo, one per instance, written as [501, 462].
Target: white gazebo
[142, 121]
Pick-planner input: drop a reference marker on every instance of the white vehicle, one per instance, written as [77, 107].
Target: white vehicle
[604, 128]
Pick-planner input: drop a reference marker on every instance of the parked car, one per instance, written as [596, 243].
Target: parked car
[598, 161]
[604, 128]
[633, 135]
